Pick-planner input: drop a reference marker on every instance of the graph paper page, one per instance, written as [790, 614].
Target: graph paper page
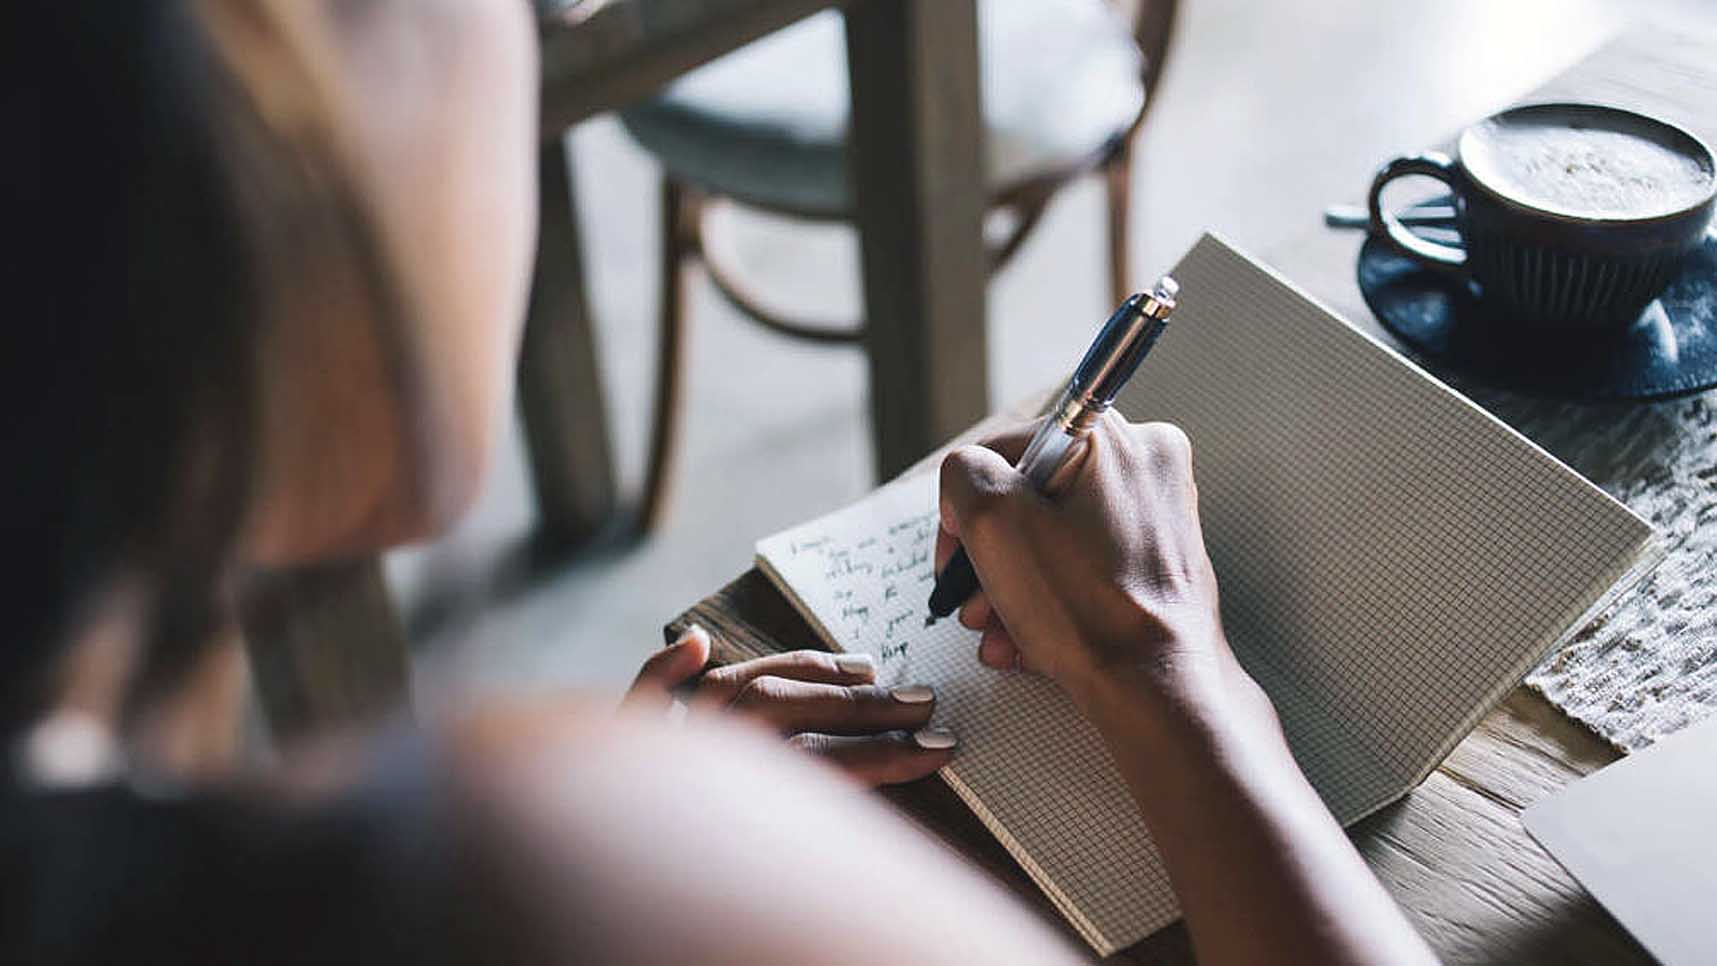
[1392, 559]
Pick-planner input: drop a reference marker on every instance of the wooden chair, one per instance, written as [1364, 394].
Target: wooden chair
[1065, 87]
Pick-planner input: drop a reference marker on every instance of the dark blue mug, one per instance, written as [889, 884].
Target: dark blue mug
[1569, 215]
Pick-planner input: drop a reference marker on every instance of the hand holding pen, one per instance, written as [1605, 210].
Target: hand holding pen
[1122, 343]
[1099, 585]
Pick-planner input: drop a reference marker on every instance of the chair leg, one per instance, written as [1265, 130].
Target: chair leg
[1118, 178]
[677, 218]
[560, 379]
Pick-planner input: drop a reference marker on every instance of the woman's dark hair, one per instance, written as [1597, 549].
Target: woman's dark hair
[130, 326]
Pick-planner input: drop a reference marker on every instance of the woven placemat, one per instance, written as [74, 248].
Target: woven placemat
[1648, 666]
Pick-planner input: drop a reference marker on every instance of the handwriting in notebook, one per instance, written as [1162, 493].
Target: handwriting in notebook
[876, 580]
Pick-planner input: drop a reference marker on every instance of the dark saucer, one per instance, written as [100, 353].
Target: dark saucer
[1671, 350]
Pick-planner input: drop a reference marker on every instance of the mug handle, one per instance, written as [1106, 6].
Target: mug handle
[1384, 224]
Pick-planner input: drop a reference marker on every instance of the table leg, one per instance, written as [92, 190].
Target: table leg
[560, 382]
[326, 647]
[918, 193]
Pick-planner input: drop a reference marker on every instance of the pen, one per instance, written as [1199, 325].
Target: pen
[1120, 346]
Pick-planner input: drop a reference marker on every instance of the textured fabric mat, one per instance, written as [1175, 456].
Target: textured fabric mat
[1647, 667]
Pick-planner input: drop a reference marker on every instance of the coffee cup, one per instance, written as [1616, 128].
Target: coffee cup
[1569, 215]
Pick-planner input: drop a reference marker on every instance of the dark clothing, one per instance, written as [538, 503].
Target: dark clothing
[107, 874]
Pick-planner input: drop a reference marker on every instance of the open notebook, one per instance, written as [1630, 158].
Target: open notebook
[1392, 560]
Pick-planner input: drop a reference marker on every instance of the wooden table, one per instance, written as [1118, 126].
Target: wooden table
[1452, 852]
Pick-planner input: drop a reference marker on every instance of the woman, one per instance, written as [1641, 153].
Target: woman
[277, 260]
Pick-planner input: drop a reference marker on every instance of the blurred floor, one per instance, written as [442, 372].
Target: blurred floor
[1270, 111]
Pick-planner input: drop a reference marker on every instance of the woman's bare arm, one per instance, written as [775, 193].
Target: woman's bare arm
[556, 830]
[1263, 872]
[620, 840]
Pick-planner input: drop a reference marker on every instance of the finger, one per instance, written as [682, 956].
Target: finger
[978, 486]
[996, 648]
[1011, 442]
[881, 759]
[1007, 649]
[976, 613]
[946, 544]
[1156, 456]
[1010, 445]
[797, 706]
[723, 684]
[1023, 662]
[1170, 458]
[668, 668]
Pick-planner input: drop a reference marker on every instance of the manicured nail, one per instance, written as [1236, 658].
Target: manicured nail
[856, 664]
[934, 739]
[913, 694]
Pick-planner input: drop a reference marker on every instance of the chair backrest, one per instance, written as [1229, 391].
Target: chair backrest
[1153, 28]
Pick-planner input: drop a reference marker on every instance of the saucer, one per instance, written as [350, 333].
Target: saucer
[1670, 350]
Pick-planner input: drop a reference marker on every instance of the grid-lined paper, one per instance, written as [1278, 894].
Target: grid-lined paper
[1392, 557]
[1392, 560]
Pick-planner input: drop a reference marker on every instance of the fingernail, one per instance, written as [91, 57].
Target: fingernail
[691, 631]
[855, 664]
[913, 694]
[934, 739]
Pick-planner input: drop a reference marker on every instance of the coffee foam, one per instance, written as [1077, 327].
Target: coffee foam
[1584, 171]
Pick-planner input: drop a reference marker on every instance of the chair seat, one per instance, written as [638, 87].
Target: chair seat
[767, 123]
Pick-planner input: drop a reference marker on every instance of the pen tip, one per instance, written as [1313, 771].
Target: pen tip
[930, 621]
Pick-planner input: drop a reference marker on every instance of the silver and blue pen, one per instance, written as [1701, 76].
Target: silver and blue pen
[1120, 346]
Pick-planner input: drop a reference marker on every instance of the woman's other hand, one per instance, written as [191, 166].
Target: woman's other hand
[826, 704]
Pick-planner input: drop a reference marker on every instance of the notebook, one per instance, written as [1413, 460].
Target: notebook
[1392, 560]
